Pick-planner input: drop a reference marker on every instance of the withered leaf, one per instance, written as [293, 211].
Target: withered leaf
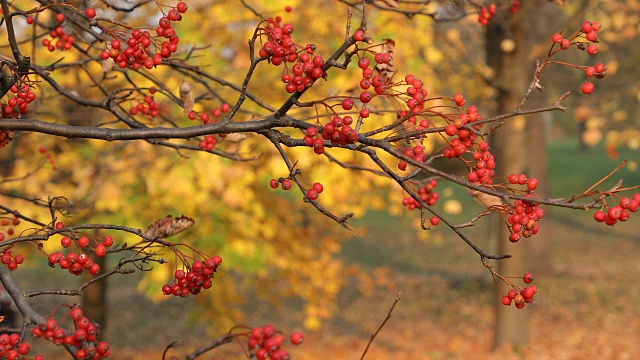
[169, 226]
[186, 96]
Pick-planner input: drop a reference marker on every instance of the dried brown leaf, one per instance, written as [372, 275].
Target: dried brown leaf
[486, 200]
[169, 226]
[186, 96]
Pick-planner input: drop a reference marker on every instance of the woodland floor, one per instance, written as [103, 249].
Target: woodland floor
[585, 309]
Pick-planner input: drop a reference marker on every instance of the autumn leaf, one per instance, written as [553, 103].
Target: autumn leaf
[169, 226]
[186, 96]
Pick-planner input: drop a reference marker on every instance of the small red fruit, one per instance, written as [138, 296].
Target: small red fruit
[587, 88]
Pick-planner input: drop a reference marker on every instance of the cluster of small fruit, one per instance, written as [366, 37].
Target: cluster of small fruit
[485, 13]
[205, 117]
[588, 32]
[76, 263]
[465, 137]
[137, 53]
[7, 223]
[18, 100]
[524, 214]
[197, 277]
[12, 349]
[49, 156]
[484, 169]
[280, 49]
[11, 261]
[64, 42]
[83, 337]
[426, 194]
[525, 296]
[312, 193]
[620, 212]
[266, 343]
[338, 131]
[148, 106]
[416, 153]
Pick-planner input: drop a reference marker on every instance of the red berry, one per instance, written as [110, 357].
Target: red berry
[435, 221]
[586, 27]
[60, 17]
[182, 7]
[274, 183]
[506, 300]
[556, 38]
[286, 184]
[527, 278]
[312, 194]
[587, 88]
[358, 35]
[90, 12]
[101, 250]
[599, 216]
[297, 338]
[29, 20]
[319, 188]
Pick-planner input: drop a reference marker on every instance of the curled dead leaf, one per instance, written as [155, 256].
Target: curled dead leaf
[169, 226]
[107, 66]
[186, 96]
[235, 137]
[486, 200]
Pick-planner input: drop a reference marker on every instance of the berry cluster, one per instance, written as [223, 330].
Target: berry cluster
[83, 337]
[11, 348]
[18, 101]
[64, 41]
[5, 223]
[76, 263]
[486, 13]
[205, 117]
[416, 153]
[196, 278]
[11, 261]
[280, 49]
[312, 193]
[49, 156]
[587, 32]
[483, 171]
[619, 212]
[147, 106]
[426, 194]
[525, 296]
[460, 144]
[265, 343]
[137, 52]
[523, 216]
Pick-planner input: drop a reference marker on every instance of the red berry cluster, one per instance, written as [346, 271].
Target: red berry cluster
[619, 212]
[18, 101]
[312, 193]
[196, 278]
[64, 41]
[205, 117]
[486, 13]
[416, 153]
[523, 217]
[49, 156]
[11, 261]
[76, 263]
[265, 343]
[280, 49]
[426, 194]
[12, 349]
[587, 32]
[83, 337]
[137, 52]
[483, 171]
[5, 223]
[147, 106]
[525, 295]
[460, 144]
